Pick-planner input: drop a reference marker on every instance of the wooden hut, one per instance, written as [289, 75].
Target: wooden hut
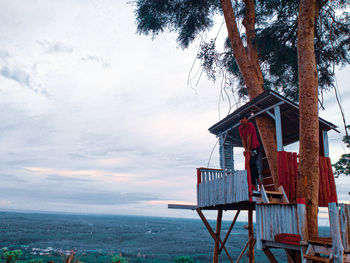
[280, 217]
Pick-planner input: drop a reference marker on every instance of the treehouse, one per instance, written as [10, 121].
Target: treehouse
[280, 217]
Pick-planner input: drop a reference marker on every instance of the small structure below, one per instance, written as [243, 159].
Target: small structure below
[280, 217]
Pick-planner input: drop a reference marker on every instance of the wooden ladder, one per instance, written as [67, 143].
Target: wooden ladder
[317, 247]
[270, 197]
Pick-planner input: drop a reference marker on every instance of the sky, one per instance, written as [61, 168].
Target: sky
[98, 119]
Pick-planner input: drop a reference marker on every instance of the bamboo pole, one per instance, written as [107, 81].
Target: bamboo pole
[217, 244]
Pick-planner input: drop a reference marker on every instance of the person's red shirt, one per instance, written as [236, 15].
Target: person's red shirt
[249, 129]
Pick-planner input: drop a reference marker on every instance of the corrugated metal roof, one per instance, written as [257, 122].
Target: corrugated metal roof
[289, 116]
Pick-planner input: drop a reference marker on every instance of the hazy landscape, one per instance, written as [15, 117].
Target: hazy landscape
[96, 238]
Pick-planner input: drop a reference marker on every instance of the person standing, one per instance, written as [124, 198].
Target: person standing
[251, 146]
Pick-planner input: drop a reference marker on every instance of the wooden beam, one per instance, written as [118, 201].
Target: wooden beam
[242, 252]
[251, 236]
[264, 197]
[325, 143]
[269, 255]
[317, 259]
[280, 245]
[179, 206]
[284, 198]
[211, 232]
[217, 244]
[255, 115]
[230, 229]
[278, 124]
[290, 256]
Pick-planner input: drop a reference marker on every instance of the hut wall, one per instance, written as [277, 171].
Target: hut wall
[274, 219]
[216, 187]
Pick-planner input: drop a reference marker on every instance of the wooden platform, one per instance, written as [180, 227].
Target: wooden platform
[235, 206]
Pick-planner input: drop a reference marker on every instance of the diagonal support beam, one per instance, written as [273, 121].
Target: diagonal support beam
[211, 232]
[229, 230]
[245, 247]
[269, 255]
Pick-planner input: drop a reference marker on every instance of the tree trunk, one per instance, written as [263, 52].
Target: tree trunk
[248, 63]
[308, 181]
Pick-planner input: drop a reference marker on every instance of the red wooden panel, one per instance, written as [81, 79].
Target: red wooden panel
[326, 180]
[199, 177]
[333, 190]
[295, 175]
[291, 177]
[287, 173]
[292, 239]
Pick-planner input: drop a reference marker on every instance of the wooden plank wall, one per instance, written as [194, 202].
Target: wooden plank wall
[345, 225]
[218, 188]
[273, 219]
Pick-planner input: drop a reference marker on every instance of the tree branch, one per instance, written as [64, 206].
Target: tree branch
[249, 24]
[244, 63]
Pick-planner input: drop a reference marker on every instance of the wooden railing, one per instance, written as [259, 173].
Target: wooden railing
[274, 219]
[216, 187]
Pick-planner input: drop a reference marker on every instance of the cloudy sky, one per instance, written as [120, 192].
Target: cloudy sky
[97, 119]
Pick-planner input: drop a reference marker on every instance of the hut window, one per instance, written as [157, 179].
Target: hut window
[226, 154]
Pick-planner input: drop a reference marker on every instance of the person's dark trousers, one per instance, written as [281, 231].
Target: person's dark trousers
[254, 171]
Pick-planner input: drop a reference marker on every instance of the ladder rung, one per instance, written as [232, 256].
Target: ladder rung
[320, 259]
[273, 193]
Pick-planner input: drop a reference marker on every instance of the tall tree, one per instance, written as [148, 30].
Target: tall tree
[248, 63]
[308, 181]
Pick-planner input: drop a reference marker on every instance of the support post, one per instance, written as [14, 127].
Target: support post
[222, 140]
[302, 226]
[325, 143]
[217, 244]
[251, 236]
[302, 222]
[334, 223]
[278, 125]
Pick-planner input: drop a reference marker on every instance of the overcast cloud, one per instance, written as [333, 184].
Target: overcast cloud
[95, 118]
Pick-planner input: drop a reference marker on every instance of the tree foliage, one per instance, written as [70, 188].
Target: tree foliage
[343, 164]
[276, 36]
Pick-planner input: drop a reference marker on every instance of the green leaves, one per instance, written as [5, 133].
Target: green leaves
[186, 17]
[13, 255]
[119, 259]
[184, 259]
[343, 165]
[276, 37]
